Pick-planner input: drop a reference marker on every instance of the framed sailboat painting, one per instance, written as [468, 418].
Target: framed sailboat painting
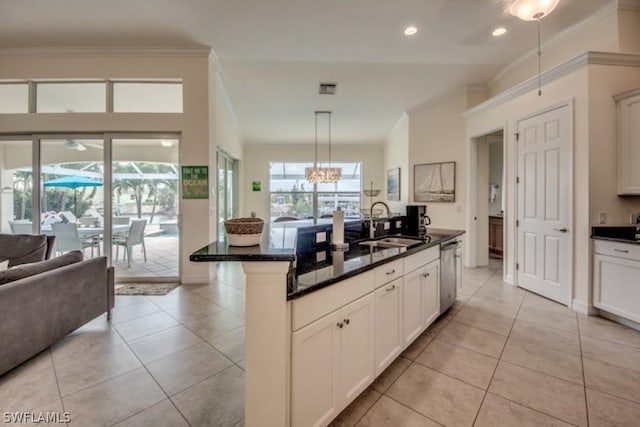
[434, 182]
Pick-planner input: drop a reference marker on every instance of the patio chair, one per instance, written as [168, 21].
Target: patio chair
[89, 221]
[21, 227]
[134, 237]
[67, 239]
[69, 216]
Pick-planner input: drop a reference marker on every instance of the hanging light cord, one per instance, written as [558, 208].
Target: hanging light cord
[538, 16]
[329, 138]
[315, 164]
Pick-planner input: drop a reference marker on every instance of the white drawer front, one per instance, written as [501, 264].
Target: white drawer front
[421, 258]
[620, 250]
[308, 308]
[388, 272]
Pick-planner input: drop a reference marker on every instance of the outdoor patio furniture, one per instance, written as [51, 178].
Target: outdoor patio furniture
[135, 236]
[68, 239]
[285, 218]
[89, 221]
[21, 227]
[70, 217]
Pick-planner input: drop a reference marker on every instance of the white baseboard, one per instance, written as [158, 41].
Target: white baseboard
[194, 280]
[616, 318]
[509, 279]
[584, 308]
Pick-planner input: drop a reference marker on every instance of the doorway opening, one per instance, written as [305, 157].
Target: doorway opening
[487, 199]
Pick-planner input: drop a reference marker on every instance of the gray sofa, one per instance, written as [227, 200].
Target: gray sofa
[43, 301]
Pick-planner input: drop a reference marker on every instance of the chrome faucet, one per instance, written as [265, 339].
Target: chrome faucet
[372, 229]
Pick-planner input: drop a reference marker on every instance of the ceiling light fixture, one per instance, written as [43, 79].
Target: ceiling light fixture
[534, 10]
[318, 174]
[410, 30]
[499, 31]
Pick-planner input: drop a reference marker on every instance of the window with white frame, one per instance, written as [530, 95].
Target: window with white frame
[293, 196]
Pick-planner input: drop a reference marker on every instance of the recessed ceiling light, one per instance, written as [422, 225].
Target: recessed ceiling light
[499, 31]
[411, 30]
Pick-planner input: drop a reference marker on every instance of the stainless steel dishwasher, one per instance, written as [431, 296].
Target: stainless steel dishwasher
[448, 273]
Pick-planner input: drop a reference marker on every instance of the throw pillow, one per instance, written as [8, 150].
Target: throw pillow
[22, 248]
[26, 270]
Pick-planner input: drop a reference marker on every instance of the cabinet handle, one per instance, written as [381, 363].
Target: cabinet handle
[340, 325]
[426, 275]
[391, 272]
[390, 288]
[346, 321]
[624, 251]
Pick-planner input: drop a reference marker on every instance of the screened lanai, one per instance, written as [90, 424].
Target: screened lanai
[70, 200]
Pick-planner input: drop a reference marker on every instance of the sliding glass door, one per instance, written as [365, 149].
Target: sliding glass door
[227, 189]
[16, 185]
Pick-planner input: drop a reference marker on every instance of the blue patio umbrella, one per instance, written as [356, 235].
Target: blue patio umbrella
[75, 182]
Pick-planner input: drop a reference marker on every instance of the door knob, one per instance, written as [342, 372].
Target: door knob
[562, 229]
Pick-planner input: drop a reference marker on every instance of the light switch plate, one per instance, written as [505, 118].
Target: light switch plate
[387, 225]
[321, 256]
[398, 224]
[602, 217]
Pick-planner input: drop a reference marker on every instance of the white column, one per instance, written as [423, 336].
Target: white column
[268, 344]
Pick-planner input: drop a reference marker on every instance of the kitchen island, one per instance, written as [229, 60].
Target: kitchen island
[315, 338]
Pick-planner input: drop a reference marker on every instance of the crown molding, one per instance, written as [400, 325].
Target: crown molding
[196, 51]
[606, 10]
[587, 58]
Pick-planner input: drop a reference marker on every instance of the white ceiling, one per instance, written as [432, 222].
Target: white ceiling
[273, 53]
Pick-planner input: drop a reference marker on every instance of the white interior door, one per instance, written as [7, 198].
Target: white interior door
[544, 204]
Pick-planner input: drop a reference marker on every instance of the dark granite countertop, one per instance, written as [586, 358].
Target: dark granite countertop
[615, 233]
[316, 266]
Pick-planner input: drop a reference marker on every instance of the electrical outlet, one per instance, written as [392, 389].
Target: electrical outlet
[321, 237]
[387, 225]
[602, 217]
[398, 224]
[321, 256]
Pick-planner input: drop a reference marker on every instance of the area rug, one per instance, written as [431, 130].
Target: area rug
[145, 288]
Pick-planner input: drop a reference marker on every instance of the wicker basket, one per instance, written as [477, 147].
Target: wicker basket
[244, 231]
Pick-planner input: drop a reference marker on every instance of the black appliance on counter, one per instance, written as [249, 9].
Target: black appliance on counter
[417, 220]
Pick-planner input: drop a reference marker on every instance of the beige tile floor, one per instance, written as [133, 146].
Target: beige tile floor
[500, 357]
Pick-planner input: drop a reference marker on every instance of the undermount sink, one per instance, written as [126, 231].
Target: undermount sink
[392, 242]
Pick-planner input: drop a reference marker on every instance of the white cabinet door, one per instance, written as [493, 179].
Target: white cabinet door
[617, 286]
[389, 340]
[430, 292]
[629, 142]
[314, 372]
[413, 320]
[356, 348]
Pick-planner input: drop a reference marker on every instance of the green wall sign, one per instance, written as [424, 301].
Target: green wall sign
[195, 182]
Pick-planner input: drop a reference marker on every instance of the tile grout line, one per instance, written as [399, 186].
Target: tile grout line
[584, 379]
[484, 396]
[152, 377]
[55, 374]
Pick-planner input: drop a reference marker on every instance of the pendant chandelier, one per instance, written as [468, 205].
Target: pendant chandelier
[534, 10]
[318, 174]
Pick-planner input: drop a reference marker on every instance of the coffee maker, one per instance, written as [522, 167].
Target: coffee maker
[417, 220]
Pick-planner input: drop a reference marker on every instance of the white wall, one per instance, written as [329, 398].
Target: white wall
[193, 125]
[396, 155]
[589, 90]
[436, 134]
[256, 160]
[598, 33]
